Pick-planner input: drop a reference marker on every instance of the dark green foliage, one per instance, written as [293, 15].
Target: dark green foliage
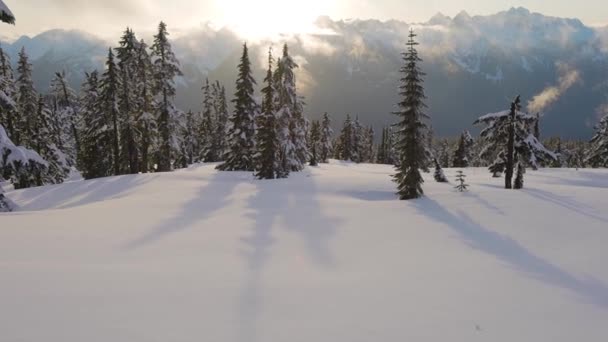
[462, 153]
[439, 175]
[326, 139]
[411, 143]
[242, 133]
[108, 104]
[315, 143]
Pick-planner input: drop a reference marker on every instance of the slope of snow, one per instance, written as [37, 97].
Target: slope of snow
[326, 255]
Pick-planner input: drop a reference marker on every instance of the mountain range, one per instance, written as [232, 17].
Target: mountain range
[473, 65]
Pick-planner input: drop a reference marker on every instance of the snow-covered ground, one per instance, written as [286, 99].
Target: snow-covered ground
[328, 255]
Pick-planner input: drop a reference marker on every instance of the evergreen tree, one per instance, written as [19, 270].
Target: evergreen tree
[188, 142]
[166, 68]
[8, 107]
[597, 156]
[221, 115]
[412, 129]
[67, 117]
[292, 125]
[326, 139]
[315, 143]
[498, 166]
[96, 143]
[267, 156]
[57, 163]
[126, 55]
[27, 102]
[346, 140]
[108, 104]
[242, 131]
[460, 178]
[462, 153]
[439, 175]
[509, 132]
[444, 153]
[146, 121]
[207, 128]
[23, 167]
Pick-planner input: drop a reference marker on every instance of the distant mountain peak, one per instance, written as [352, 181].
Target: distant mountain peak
[439, 19]
[462, 18]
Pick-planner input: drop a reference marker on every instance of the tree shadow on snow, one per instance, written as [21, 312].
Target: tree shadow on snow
[280, 204]
[566, 203]
[210, 198]
[62, 196]
[514, 254]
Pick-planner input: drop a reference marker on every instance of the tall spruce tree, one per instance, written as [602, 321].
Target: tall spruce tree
[221, 114]
[597, 156]
[346, 140]
[187, 138]
[326, 139]
[166, 68]
[96, 138]
[8, 107]
[315, 143]
[207, 126]
[146, 122]
[242, 132]
[67, 116]
[290, 107]
[411, 141]
[462, 153]
[267, 156]
[126, 55]
[27, 103]
[108, 103]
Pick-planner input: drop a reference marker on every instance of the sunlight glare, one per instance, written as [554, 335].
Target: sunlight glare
[269, 18]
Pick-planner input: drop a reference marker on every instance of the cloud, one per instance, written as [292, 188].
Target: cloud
[568, 76]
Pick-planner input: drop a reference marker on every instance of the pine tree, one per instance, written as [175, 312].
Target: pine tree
[27, 102]
[462, 153]
[68, 113]
[187, 137]
[292, 124]
[146, 121]
[597, 156]
[207, 128]
[126, 55]
[439, 175]
[221, 114]
[166, 68]
[8, 107]
[346, 140]
[58, 166]
[108, 103]
[96, 143]
[326, 139]
[242, 131]
[509, 132]
[267, 156]
[410, 146]
[444, 153]
[21, 166]
[498, 166]
[315, 143]
[460, 178]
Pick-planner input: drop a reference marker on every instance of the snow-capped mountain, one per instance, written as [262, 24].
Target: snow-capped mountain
[474, 65]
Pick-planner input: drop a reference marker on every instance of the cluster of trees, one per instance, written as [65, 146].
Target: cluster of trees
[273, 139]
[124, 121]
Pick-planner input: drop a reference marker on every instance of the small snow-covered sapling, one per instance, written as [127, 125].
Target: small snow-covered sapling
[460, 178]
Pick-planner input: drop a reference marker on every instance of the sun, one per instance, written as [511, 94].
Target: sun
[258, 19]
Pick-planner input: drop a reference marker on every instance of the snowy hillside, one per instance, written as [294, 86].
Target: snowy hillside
[329, 254]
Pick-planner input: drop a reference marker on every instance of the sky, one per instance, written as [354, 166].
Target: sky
[251, 18]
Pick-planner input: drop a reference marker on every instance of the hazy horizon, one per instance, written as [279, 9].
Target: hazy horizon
[108, 18]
